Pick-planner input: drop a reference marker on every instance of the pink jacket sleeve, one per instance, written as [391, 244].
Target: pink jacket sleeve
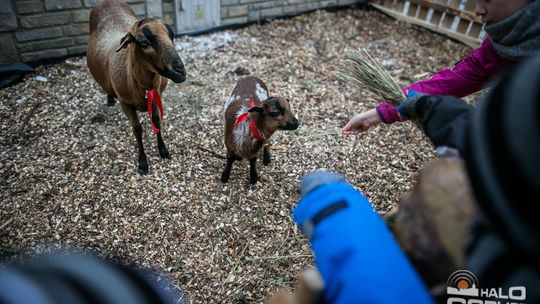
[468, 76]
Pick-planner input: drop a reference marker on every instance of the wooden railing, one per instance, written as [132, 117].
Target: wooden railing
[454, 18]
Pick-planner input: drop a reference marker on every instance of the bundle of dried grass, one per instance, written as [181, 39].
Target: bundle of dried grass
[363, 71]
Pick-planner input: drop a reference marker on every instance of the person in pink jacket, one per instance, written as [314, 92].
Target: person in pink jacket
[513, 29]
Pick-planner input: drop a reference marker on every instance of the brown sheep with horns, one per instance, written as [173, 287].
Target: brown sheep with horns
[131, 59]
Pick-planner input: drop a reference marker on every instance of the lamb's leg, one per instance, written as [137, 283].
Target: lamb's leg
[253, 176]
[227, 171]
[266, 155]
[110, 100]
[163, 151]
[131, 113]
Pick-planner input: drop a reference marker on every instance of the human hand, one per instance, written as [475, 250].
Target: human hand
[362, 122]
[316, 179]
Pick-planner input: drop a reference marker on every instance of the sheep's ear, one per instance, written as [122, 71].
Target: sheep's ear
[170, 30]
[256, 109]
[125, 41]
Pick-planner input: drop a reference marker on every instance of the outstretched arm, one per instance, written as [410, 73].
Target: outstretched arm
[468, 76]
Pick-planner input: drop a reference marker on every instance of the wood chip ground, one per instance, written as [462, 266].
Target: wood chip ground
[69, 177]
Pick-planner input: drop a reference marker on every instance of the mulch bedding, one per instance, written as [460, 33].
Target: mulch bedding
[69, 176]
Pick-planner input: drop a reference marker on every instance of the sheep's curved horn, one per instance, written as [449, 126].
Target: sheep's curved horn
[125, 41]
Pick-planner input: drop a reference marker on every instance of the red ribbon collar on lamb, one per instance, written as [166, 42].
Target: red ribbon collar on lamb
[254, 132]
[150, 94]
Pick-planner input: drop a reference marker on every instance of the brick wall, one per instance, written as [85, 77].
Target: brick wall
[242, 11]
[33, 30]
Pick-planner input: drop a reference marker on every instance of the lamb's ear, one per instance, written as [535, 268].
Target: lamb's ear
[125, 41]
[256, 109]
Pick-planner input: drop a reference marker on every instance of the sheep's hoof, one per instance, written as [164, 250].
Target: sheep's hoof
[110, 101]
[224, 177]
[143, 171]
[266, 160]
[253, 179]
[143, 165]
[164, 153]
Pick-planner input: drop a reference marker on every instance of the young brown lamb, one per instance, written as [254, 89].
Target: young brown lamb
[131, 60]
[251, 117]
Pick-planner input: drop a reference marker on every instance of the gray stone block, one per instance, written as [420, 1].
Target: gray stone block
[8, 52]
[169, 18]
[34, 56]
[254, 15]
[238, 20]
[168, 8]
[271, 12]
[76, 29]
[238, 11]
[267, 4]
[297, 1]
[329, 3]
[290, 10]
[54, 5]
[228, 2]
[82, 15]
[83, 39]
[29, 7]
[38, 34]
[307, 7]
[140, 9]
[224, 13]
[91, 3]
[77, 50]
[45, 20]
[46, 44]
[8, 20]
[348, 2]
[154, 8]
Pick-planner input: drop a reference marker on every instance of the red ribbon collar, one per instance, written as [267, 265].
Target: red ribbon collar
[150, 94]
[254, 131]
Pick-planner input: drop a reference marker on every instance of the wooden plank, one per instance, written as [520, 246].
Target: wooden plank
[436, 18]
[463, 26]
[475, 30]
[472, 42]
[470, 5]
[449, 10]
[388, 3]
[412, 10]
[454, 4]
[423, 13]
[448, 20]
[398, 5]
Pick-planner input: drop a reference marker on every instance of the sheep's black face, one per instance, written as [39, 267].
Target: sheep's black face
[155, 40]
[277, 114]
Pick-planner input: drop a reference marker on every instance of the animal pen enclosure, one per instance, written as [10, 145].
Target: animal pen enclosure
[67, 180]
[454, 18]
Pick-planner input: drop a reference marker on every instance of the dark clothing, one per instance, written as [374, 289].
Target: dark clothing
[499, 142]
[444, 120]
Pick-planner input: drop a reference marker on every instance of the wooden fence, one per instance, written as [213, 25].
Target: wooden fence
[454, 18]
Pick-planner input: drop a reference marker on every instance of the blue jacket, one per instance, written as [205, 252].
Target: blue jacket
[356, 254]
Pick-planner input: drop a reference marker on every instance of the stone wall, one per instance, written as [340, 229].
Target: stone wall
[242, 11]
[34, 30]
